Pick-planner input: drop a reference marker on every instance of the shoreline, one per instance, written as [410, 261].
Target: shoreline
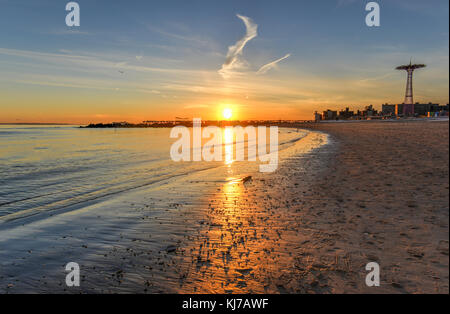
[280, 123]
[309, 227]
[379, 195]
[135, 242]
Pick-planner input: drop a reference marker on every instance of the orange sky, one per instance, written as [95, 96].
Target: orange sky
[286, 94]
[264, 64]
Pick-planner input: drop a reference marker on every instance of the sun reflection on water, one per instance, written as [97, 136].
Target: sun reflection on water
[249, 241]
[228, 139]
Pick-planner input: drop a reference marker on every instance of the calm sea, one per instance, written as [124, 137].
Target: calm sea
[44, 168]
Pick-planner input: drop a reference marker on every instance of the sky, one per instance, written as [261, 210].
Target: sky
[157, 60]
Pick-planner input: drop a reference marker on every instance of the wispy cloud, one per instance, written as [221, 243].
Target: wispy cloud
[233, 61]
[184, 37]
[92, 62]
[265, 68]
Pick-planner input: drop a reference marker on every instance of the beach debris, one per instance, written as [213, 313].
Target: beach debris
[244, 271]
[171, 249]
[416, 253]
[397, 285]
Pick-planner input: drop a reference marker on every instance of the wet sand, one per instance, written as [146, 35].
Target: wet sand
[149, 240]
[380, 196]
[378, 192]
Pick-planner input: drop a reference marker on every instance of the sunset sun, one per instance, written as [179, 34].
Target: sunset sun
[227, 113]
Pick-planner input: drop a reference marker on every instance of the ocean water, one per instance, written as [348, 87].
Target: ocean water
[46, 168]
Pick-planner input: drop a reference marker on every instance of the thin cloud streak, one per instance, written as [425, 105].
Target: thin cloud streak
[265, 68]
[90, 61]
[233, 61]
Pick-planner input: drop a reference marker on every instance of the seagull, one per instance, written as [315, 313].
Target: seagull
[121, 72]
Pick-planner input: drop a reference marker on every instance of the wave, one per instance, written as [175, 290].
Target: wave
[63, 182]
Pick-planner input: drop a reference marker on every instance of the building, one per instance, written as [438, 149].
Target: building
[388, 110]
[424, 110]
[369, 111]
[329, 115]
[346, 114]
[317, 116]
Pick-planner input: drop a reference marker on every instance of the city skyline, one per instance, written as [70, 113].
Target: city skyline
[263, 60]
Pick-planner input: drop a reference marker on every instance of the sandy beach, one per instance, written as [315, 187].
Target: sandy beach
[385, 198]
[377, 192]
[381, 195]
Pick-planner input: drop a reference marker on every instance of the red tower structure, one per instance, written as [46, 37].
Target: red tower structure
[408, 107]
